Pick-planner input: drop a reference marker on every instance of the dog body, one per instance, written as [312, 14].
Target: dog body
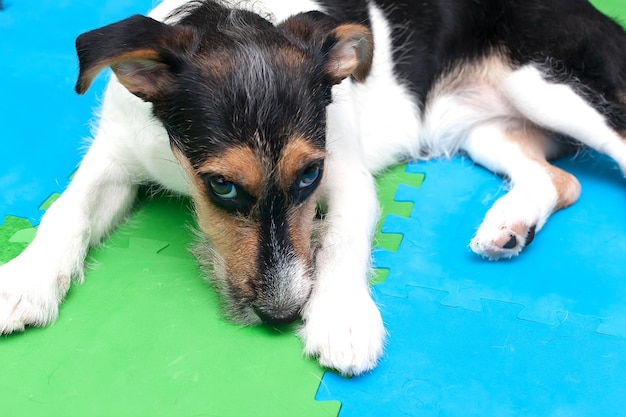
[263, 111]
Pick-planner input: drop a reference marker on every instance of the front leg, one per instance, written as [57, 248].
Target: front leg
[34, 283]
[342, 325]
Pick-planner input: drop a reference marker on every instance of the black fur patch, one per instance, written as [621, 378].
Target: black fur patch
[571, 40]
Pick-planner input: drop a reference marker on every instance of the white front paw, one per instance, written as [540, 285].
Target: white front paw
[29, 294]
[346, 334]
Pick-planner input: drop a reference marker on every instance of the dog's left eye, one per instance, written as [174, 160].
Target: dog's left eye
[307, 181]
[309, 176]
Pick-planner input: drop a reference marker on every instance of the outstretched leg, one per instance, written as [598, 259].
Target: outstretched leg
[342, 325]
[557, 107]
[33, 284]
[518, 150]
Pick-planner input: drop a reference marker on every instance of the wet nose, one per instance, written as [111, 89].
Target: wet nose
[276, 318]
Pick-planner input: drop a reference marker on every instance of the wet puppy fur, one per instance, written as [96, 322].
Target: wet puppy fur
[243, 101]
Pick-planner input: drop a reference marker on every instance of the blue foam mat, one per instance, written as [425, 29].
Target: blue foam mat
[43, 122]
[451, 362]
[539, 335]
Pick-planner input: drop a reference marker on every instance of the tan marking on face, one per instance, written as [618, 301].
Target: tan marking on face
[537, 146]
[301, 226]
[234, 238]
[296, 155]
[241, 165]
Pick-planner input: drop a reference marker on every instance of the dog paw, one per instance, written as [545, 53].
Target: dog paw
[29, 296]
[511, 223]
[20, 310]
[504, 241]
[344, 334]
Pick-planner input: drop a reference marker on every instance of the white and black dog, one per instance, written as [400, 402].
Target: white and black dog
[265, 111]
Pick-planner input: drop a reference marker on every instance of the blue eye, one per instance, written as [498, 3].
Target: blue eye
[223, 189]
[309, 176]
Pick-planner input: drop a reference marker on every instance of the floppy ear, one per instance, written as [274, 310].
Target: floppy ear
[347, 48]
[143, 53]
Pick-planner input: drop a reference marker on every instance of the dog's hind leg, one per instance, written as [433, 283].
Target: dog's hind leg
[518, 150]
[33, 284]
[557, 107]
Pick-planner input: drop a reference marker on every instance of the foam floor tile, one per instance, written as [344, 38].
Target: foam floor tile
[144, 336]
[539, 335]
[15, 234]
[574, 264]
[43, 122]
[452, 362]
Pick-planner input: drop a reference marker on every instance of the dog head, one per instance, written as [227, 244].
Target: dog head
[244, 104]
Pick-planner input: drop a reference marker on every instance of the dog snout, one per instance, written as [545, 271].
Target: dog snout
[281, 298]
[276, 316]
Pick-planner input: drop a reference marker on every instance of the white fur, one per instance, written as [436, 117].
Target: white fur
[529, 202]
[370, 126]
[342, 326]
[388, 115]
[558, 108]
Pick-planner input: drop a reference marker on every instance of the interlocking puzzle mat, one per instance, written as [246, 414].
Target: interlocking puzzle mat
[144, 336]
[541, 335]
[43, 121]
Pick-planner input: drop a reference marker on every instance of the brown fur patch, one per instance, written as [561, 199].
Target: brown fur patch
[217, 65]
[537, 146]
[240, 165]
[296, 155]
[234, 238]
[353, 53]
[87, 76]
[300, 228]
[490, 71]
[566, 184]
[288, 57]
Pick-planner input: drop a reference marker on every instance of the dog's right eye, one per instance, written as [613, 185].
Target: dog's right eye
[223, 189]
[227, 195]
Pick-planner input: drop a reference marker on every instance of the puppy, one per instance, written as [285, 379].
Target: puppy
[264, 111]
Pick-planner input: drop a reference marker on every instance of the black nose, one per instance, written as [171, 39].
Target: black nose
[276, 318]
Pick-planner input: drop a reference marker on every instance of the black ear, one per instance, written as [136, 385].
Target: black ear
[347, 48]
[143, 53]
